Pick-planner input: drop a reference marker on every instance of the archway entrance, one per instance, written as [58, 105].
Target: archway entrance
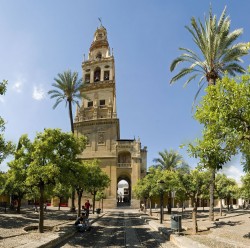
[123, 192]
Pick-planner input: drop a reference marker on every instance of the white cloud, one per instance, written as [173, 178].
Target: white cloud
[2, 99]
[38, 93]
[233, 172]
[18, 86]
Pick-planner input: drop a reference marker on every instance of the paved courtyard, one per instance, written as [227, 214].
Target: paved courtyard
[230, 230]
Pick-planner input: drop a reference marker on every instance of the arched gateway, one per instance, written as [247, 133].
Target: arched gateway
[121, 159]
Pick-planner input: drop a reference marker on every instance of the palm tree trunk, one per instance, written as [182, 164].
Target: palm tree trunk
[169, 202]
[73, 208]
[211, 189]
[71, 117]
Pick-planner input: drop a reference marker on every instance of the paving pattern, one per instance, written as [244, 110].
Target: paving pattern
[124, 228]
[118, 229]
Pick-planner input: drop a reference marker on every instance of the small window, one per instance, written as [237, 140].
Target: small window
[87, 139]
[90, 104]
[101, 138]
[102, 103]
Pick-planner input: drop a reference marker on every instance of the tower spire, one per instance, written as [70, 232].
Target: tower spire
[100, 20]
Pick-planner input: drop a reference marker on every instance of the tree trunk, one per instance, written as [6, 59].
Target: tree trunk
[79, 193]
[211, 189]
[169, 202]
[94, 202]
[73, 208]
[60, 200]
[18, 209]
[220, 207]
[71, 117]
[150, 206]
[161, 208]
[194, 217]
[41, 212]
[145, 205]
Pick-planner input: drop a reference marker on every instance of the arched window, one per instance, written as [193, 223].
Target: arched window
[124, 158]
[97, 74]
[106, 75]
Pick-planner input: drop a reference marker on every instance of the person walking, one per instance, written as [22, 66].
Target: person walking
[87, 207]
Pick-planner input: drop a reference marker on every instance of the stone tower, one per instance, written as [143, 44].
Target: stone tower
[121, 159]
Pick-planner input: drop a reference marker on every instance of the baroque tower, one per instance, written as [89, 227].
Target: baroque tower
[121, 159]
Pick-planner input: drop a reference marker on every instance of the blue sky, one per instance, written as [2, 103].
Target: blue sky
[42, 38]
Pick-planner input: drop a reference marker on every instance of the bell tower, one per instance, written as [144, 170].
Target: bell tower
[96, 118]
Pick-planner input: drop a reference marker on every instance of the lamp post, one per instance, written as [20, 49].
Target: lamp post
[161, 186]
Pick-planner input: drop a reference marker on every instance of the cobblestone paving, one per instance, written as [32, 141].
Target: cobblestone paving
[230, 231]
[118, 229]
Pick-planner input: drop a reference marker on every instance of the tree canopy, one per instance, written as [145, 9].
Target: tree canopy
[225, 113]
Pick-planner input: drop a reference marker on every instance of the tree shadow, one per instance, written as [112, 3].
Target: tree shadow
[247, 236]
[220, 224]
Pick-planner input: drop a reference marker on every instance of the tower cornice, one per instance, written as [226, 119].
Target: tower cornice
[99, 85]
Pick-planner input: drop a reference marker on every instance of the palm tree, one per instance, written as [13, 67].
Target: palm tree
[168, 160]
[68, 88]
[171, 161]
[217, 54]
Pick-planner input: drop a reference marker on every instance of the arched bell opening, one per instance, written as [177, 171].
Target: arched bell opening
[97, 74]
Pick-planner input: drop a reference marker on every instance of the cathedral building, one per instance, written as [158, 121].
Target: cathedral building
[96, 118]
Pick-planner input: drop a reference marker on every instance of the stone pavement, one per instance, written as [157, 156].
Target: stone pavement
[230, 230]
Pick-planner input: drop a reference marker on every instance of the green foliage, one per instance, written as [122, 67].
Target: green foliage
[96, 179]
[2, 181]
[6, 147]
[49, 159]
[225, 187]
[68, 87]
[3, 87]
[100, 195]
[171, 160]
[53, 156]
[245, 189]
[149, 186]
[16, 175]
[225, 113]
[195, 184]
[217, 51]
[209, 152]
